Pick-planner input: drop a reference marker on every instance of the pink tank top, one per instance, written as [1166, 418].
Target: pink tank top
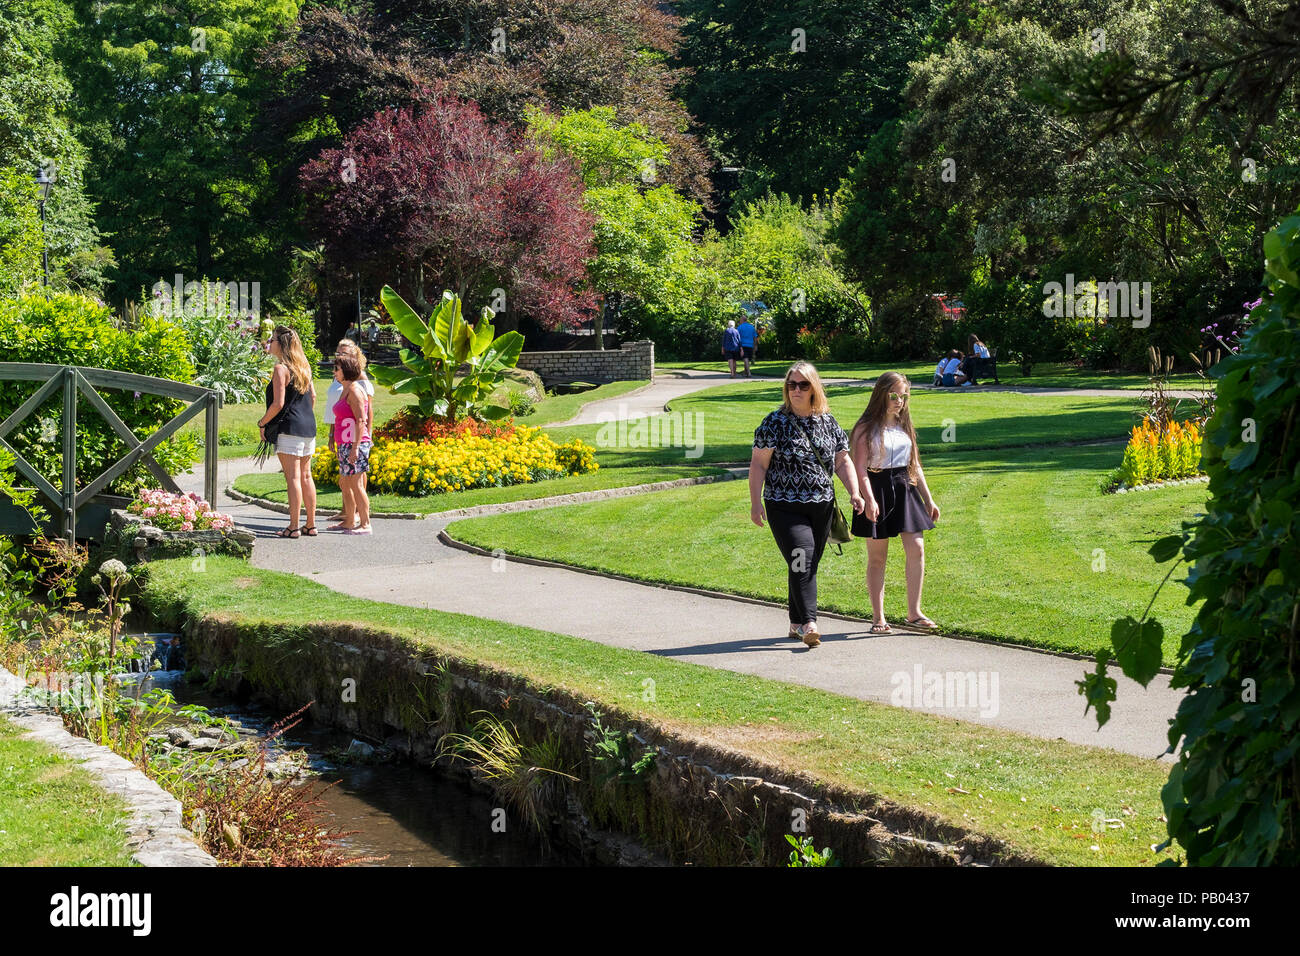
[345, 423]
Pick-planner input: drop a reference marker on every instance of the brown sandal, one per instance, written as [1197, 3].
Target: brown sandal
[288, 533]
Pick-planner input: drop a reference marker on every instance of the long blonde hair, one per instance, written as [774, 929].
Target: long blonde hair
[816, 400]
[293, 357]
[871, 424]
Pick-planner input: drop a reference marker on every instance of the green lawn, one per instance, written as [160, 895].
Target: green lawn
[237, 425]
[270, 485]
[51, 812]
[1046, 375]
[1036, 795]
[722, 420]
[1012, 558]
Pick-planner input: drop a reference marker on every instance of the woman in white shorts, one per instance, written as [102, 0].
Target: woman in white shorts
[290, 399]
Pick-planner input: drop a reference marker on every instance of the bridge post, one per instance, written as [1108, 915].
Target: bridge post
[69, 489]
[210, 450]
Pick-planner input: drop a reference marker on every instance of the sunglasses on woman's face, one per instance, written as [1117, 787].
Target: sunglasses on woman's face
[896, 397]
[799, 386]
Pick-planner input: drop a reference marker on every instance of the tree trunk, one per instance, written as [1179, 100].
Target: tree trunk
[598, 324]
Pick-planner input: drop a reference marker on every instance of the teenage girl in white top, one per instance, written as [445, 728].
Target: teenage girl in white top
[899, 503]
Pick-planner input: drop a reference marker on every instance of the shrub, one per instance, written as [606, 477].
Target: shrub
[1156, 453]
[303, 322]
[1230, 799]
[409, 425]
[907, 328]
[461, 462]
[69, 329]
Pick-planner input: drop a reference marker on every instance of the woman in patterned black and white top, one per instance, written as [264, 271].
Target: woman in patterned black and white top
[899, 503]
[796, 490]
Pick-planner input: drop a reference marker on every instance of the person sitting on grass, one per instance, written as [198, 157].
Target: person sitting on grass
[332, 398]
[952, 373]
[352, 440]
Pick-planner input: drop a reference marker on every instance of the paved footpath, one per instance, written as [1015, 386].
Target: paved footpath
[404, 562]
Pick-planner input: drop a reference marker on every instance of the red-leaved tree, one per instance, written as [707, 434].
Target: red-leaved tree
[438, 198]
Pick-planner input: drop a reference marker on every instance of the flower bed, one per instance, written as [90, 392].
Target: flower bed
[1156, 454]
[464, 459]
[171, 512]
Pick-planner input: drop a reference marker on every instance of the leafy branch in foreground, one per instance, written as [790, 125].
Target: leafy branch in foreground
[1232, 797]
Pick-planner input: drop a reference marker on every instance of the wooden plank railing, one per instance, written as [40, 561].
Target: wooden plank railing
[74, 379]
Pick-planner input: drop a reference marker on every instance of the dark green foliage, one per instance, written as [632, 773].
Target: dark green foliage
[1231, 798]
[614, 754]
[73, 330]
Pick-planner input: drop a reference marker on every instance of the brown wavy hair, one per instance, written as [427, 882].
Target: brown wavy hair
[871, 424]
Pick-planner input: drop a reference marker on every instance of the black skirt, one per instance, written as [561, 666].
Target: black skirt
[901, 507]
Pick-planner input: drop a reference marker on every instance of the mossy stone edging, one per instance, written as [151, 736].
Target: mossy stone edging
[155, 834]
[700, 802]
[131, 539]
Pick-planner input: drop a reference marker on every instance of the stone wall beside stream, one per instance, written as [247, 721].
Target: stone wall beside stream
[699, 802]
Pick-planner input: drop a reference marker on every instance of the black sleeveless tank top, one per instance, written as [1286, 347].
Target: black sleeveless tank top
[299, 420]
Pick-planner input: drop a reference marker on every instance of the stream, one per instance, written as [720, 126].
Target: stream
[411, 814]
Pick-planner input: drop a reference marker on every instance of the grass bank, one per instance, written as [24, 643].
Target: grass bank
[1027, 550]
[1037, 796]
[1045, 375]
[717, 424]
[51, 812]
[270, 485]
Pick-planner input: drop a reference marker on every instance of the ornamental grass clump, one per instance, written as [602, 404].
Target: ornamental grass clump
[464, 460]
[1156, 453]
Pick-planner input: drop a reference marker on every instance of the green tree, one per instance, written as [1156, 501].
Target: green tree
[20, 232]
[791, 90]
[643, 232]
[39, 132]
[168, 95]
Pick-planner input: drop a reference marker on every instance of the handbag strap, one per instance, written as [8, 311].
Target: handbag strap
[813, 445]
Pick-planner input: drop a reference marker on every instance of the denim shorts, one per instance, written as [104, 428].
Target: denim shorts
[363, 459]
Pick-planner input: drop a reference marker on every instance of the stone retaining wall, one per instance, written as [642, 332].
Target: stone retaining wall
[155, 833]
[635, 361]
[698, 802]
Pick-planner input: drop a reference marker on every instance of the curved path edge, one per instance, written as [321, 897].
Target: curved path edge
[155, 834]
[451, 542]
[527, 504]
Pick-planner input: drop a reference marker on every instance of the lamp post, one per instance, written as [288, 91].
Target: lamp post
[43, 182]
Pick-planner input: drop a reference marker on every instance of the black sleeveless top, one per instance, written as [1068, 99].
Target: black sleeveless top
[297, 417]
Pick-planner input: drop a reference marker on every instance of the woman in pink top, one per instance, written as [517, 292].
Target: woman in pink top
[352, 440]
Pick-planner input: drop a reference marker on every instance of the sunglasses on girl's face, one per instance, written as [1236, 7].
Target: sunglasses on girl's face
[896, 397]
[798, 386]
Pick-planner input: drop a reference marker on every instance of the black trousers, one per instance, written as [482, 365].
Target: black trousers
[801, 532]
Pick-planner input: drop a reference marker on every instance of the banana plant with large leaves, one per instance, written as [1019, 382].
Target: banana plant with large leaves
[458, 365]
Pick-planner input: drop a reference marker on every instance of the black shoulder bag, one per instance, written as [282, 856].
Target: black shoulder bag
[271, 431]
[840, 534]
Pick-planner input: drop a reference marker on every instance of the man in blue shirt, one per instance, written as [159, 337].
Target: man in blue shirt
[748, 339]
[731, 345]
